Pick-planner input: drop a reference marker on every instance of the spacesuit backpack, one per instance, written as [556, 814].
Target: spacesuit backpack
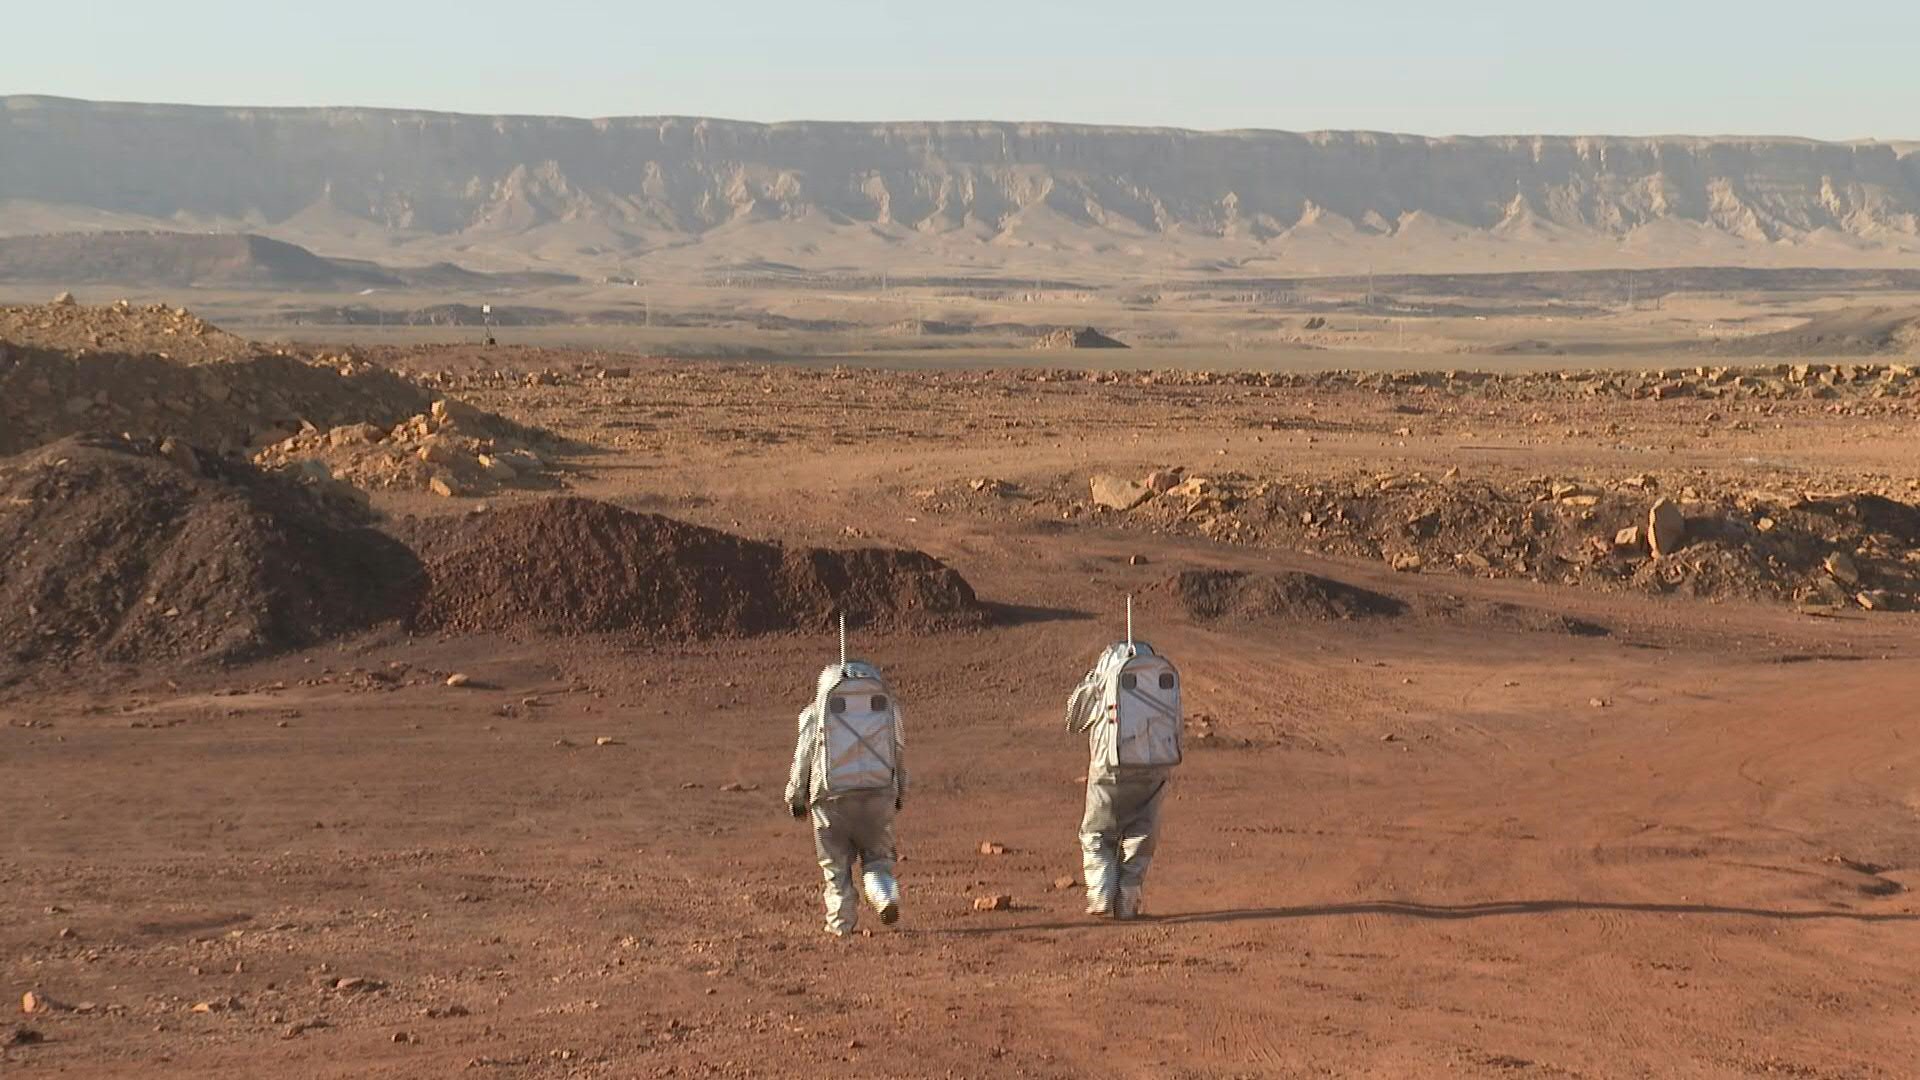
[1131, 703]
[859, 729]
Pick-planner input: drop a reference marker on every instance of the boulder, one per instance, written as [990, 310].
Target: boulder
[496, 468]
[1666, 528]
[1843, 568]
[353, 435]
[1116, 493]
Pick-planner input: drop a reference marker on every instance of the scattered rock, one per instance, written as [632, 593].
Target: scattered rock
[1407, 562]
[1117, 493]
[1666, 528]
[988, 847]
[1162, 481]
[1628, 537]
[607, 740]
[1065, 881]
[1195, 487]
[458, 679]
[358, 985]
[998, 902]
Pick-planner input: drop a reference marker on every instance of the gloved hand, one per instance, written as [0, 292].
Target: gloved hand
[798, 810]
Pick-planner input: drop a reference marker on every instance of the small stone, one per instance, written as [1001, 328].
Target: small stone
[988, 847]
[403, 1037]
[1161, 481]
[1628, 537]
[1407, 562]
[998, 902]
[65, 299]
[459, 679]
[1136, 560]
[180, 454]
[1842, 567]
[1874, 599]
[300, 1027]
[357, 985]
[607, 740]
[1666, 528]
[1598, 703]
[1765, 524]
[1580, 500]
[1064, 882]
[32, 1002]
[1475, 560]
[442, 487]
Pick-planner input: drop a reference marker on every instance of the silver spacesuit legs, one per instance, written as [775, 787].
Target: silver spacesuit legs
[849, 827]
[1117, 838]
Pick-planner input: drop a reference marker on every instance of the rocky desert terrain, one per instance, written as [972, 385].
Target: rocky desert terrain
[406, 708]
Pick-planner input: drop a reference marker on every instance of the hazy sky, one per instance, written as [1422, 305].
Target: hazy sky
[1828, 70]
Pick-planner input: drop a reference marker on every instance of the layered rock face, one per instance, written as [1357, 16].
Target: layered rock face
[591, 188]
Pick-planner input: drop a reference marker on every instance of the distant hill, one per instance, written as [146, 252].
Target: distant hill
[677, 194]
[241, 260]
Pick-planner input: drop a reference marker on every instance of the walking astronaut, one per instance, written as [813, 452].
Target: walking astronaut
[849, 769]
[1129, 708]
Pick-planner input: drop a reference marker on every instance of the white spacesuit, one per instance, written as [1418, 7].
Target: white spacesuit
[849, 769]
[1129, 707]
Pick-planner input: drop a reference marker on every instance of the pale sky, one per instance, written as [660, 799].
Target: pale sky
[1628, 67]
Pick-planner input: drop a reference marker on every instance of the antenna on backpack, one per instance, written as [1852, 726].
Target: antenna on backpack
[1129, 622]
[843, 639]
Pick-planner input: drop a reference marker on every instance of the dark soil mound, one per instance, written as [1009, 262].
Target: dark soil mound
[116, 552]
[1214, 595]
[580, 566]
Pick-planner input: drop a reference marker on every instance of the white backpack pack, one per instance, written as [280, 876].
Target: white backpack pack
[1131, 703]
[859, 727]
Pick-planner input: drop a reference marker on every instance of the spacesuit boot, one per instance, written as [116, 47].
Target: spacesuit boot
[1128, 906]
[883, 892]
